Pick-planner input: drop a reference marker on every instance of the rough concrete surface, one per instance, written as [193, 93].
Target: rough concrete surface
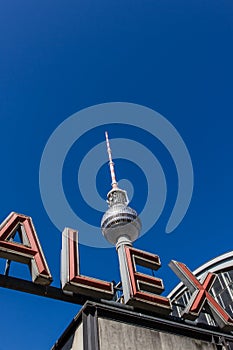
[115, 335]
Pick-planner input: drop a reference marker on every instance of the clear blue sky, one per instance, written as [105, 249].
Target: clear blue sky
[58, 57]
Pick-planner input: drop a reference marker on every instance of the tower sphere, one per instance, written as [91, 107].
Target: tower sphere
[120, 220]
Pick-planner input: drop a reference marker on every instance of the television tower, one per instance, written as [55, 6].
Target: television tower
[120, 224]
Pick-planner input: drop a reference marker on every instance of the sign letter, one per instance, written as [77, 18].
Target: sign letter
[145, 289]
[28, 251]
[201, 296]
[71, 279]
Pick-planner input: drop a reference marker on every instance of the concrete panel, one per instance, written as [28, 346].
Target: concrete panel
[78, 338]
[115, 335]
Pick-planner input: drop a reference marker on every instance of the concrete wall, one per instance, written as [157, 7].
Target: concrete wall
[78, 338]
[115, 335]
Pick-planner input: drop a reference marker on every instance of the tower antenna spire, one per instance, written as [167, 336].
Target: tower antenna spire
[111, 164]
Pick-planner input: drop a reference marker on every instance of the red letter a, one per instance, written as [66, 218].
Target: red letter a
[28, 251]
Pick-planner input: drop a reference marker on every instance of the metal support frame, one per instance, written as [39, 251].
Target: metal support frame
[44, 291]
[8, 262]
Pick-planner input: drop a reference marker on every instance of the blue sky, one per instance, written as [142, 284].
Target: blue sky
[59, 57]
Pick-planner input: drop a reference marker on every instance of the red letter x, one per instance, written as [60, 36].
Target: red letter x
[201, 296]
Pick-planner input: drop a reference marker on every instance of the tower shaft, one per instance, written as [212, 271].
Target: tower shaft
[124, 272]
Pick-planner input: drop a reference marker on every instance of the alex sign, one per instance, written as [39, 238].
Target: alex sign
[144, 290]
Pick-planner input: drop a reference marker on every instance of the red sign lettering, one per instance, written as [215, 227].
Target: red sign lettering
[28, 251]
[70, 275]
[201, 296]
[145, 288]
